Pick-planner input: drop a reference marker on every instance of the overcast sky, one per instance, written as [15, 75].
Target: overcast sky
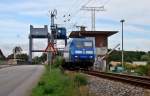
[17, 15]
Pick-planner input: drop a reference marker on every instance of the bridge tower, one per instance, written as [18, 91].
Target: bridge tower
[37, 33]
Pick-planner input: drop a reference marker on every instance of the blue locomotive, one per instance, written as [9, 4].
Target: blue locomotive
[79, 53]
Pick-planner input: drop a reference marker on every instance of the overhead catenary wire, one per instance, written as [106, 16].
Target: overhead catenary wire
[73, 14]
[106, 2]
[93, 11]
[79, 4]
[100, 2]
[76, 7]
[87, 2]
[67, 15]
[93, 7]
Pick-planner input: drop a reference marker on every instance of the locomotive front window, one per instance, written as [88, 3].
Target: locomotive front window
[83, 44]
[88, 44]
[79, 45]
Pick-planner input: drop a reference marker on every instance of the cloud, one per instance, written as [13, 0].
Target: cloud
[137, 44]
[135, 11]
[37, 45]
[15, 33]
[37, 8]
[132, 45]
[15, 20]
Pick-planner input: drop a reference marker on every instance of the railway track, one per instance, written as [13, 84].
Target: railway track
[133, 80]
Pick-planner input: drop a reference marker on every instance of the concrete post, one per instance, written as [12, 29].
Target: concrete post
[49, 55]
[30, 49]
[49, 59]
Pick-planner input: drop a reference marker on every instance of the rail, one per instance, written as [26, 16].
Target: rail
[133, 80]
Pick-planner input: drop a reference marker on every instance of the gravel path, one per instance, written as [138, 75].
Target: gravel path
[104, 87]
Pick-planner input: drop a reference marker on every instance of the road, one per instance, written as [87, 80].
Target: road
[19, 80]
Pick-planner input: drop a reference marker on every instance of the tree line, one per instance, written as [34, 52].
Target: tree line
[129, 56]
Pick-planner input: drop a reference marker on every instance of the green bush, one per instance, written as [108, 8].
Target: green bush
[57, 62]
[148, 69]
[80, 79]
[41, 83]
[142, 70]
[48, 89]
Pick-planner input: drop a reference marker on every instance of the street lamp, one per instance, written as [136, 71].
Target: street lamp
[122, 21]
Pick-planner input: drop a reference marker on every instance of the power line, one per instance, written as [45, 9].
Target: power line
[102, 2]
[73, 14]
[87, 2]
[93, 10]
[106, 2]
[69, 16]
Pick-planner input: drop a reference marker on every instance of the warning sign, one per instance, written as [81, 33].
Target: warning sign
[50, 48]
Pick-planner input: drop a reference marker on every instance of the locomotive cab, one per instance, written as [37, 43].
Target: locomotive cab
[82, 50]
[80, 53]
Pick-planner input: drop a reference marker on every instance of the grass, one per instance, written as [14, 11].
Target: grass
[59, 83]
[55, 83]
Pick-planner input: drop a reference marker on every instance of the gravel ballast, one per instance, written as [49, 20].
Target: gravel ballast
[104, 87]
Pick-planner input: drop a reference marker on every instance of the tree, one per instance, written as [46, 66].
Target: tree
[39, 60]
[11, 56]
[145, 57]
[2, 57]
[36, 60]
[129, 56]
[43, 57]
[17, 50]
[23, 57]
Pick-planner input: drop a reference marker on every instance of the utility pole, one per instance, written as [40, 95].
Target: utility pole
[93, 10]
[122, 21]
[53, 35]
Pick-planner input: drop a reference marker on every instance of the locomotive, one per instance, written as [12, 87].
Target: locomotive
[79, 53]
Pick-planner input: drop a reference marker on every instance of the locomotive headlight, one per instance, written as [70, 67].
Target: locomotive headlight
[91, 56]
[76, 56]
[89, 52]
[78, 52]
